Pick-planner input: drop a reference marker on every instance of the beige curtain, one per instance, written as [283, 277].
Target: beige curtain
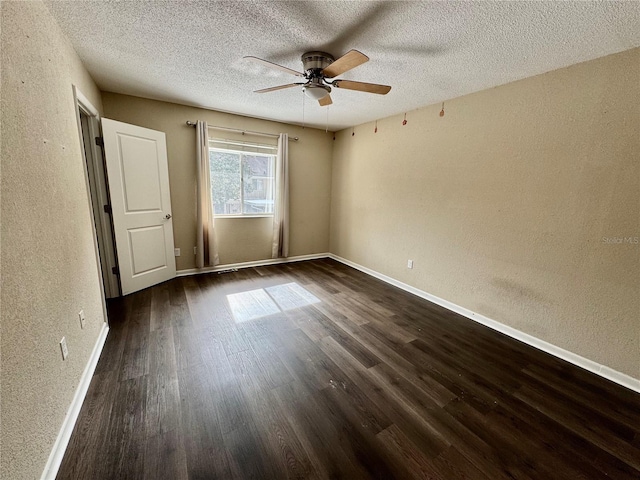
[280, 246]
[206, 251]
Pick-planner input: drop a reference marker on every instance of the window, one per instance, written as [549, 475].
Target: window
[242, 183]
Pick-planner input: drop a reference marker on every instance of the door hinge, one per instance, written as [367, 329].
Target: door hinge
[100, 141]
[115, 270]
[107, 209]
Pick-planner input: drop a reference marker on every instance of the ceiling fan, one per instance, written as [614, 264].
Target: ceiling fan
[319, 67]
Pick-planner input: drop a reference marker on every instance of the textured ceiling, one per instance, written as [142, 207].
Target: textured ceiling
[191, 52]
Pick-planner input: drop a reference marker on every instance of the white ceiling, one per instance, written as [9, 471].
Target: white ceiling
[191, 52]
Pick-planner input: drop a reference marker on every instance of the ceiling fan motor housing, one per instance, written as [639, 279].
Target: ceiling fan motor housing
[315, 62]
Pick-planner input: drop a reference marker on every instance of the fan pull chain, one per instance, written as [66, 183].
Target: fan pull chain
[353, 131]
[404, 122]
[303, 108]
[442, 111]
[326, 128]
[375, 130]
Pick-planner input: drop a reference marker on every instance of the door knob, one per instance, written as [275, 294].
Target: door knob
[167, 216]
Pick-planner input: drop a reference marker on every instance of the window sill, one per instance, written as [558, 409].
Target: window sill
[267, 215]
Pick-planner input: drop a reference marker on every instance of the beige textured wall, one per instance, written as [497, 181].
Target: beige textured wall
[49, 269]
[242, 239]
[503, 204]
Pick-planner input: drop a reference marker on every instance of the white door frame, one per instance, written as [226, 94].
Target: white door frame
[94, 167]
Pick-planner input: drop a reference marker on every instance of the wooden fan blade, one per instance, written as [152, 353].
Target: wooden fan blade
[324, 101]
[279, 87]
[362, 86]
[274, 65]
[349, 60]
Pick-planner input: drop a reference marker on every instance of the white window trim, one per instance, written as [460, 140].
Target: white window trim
[246, 215]
[240, 152]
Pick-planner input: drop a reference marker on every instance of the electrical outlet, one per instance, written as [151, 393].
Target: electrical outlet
[176, 252]
[409, 263]
[63, 348]
[195, 250]
[82, 318]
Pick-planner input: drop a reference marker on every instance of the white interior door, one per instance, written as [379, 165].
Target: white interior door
[138, 178]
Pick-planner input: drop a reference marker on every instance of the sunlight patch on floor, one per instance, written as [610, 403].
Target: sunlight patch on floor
[262, 302]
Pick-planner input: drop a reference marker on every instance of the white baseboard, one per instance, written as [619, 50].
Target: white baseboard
[57, 453]
[256, 263]
[602, 370]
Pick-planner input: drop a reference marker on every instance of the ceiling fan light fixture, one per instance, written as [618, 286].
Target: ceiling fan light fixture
[316, 92]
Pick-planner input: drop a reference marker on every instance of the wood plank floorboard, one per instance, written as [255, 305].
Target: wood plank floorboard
[316, 370]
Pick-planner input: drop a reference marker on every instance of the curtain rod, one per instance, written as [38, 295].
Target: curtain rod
[243, 132]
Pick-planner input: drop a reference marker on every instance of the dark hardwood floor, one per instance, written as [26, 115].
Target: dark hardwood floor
[316, 370]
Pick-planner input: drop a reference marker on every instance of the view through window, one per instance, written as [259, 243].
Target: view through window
[242, 183]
